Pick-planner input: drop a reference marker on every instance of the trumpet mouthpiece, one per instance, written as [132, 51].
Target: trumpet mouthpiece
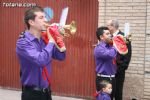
[47, 24]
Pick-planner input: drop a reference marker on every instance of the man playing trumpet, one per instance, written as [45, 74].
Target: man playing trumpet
[35, 56]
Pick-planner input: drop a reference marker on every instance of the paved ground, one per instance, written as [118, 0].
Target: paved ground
[6, 94]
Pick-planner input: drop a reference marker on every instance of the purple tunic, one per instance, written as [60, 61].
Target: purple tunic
[33, 55]
[104, 55]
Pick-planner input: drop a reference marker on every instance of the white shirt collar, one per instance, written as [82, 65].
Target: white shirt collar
[114, 34]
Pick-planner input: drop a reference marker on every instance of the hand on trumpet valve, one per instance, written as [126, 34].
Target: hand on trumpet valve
[62, 29]
[63, 32]
[54, 35]
[109, 40]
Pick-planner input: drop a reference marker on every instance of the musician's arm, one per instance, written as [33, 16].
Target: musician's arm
[58, 55]
[26, 49]
[104, 53]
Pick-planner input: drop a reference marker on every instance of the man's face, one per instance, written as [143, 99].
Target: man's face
[39, 22]
[106, 36]
[110, 27]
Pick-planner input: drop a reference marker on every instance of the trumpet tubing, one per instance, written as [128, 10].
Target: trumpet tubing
[71, 27]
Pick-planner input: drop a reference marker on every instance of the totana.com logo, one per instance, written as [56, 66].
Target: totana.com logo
[17, 4]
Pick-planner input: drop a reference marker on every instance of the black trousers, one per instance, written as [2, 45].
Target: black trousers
[120, 76]
[109, 79]
[31, 94]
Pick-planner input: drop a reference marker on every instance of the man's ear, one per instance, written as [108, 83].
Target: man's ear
[104, 89]
[101, 37]
[31, 22]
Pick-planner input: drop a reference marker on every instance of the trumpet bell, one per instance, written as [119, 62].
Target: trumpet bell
[71, 27]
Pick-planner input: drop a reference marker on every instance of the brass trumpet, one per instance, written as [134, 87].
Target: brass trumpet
[71, 27]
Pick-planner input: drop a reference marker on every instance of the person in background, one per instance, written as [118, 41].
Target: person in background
[122, 61]
[105, 91]
[35, 57]
[104, 54]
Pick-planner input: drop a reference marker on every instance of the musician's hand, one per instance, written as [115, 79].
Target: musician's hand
[51, 41]
[50, 37]
[109, 41]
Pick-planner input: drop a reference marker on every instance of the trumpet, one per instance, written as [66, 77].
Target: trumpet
[62, 29]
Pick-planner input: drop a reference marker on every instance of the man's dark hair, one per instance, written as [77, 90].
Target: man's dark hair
[100, 31]
[30, 14]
